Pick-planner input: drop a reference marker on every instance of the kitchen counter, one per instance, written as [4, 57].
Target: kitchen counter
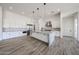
[46, 36]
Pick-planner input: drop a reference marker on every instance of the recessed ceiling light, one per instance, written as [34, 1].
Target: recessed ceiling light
[49, 13]
[22, 12]
[10, 7]
[58, 10]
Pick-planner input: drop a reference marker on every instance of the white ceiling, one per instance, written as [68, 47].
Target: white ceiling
[26, 9]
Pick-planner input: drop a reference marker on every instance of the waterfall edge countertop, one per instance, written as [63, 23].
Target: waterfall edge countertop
[46, 36]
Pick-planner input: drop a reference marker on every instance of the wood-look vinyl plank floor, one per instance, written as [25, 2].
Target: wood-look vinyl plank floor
[27, 45]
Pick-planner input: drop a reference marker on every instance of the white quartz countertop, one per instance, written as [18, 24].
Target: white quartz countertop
[45, 32]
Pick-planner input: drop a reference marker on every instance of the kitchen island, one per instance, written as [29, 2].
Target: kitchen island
[45, 36]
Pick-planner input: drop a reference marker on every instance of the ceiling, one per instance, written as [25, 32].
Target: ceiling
[27, 9]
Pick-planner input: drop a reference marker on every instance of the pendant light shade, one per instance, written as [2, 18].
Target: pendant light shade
[44, 6]
[37, 8]
[44, 3]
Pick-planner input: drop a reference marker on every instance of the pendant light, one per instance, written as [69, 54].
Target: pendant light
[44, 3]
[38, 13]
[33, 13]
[33, 17]
[44, 9]
[38, 17]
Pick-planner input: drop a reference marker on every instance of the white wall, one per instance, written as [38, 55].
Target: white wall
[55, 19]
[75, 24]
[13, 20]
[75, 28]
[68, 26]
[41, 23]
[0, 23]
[78, 27]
